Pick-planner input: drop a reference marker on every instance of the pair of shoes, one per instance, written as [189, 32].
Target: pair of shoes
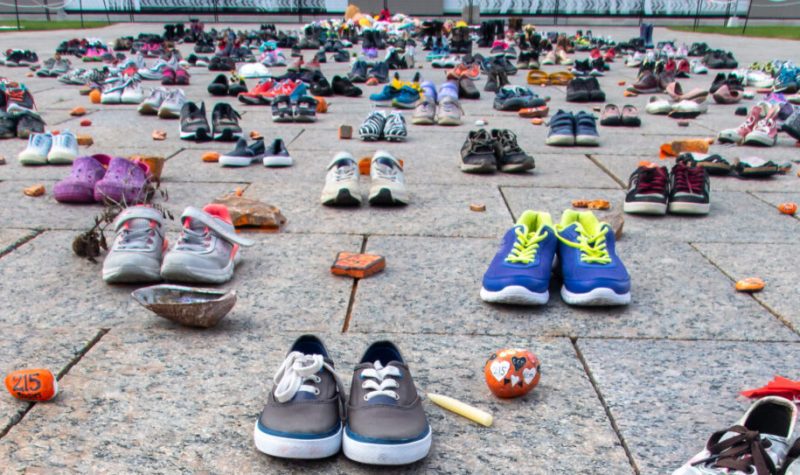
[585, 90]
[47, 148]
[591, 271]
[760, 442]
[342, 86]
[486, 152]
[205, 251]
[379, 126]
[448, 112]
[54, 67]
[171, 77]
[686, 190]
[514, 98]
[588, 67]
[760, 127]
[384, 421]
[612, 116]
[568, 129]
[288, 109]
[166, 104]
[243, 155]
[122, 90]
[342, 187]
[99, 178]
[404, 97]
[221, 86]
[224, 123]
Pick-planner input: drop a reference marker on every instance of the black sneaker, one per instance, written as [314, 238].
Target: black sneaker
[359, 72]
[225, 123]
[194, 125]
[343, 87]
[219, 86]
[8, 125]
[582, 68]
[690, 189]
[510, 157]
[593, 88]
[29, 123]
[478, 154]
[237, 86]
[244, 155]
[577, 90]
[380, 71]
[648, 191]
[792, 125]
[321, 87]
[341, 56]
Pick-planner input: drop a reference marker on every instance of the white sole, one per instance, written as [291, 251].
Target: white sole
[515, 295]
[645, 207]
[278, 161]
[599, 297]
[561, 140]
[587, 140]
[60, 158]
[181, 273]
[131, 274]
[232, 161]
[31, 159]
[386, 454]
[286, 447]
[679, 207]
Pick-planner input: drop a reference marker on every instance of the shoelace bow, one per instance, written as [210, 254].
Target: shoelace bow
[593, 249]
[525, 247]
[651, 181]
[379, 381]
[689, 180]
[296, 370]
[742, 452]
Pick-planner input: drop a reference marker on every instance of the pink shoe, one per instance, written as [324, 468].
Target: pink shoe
[79, 186]
[182, 77]
[765, 132]
[738, 134]
[124, 182]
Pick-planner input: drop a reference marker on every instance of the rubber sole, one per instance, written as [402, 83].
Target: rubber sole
[31, 159]
[599, 297]
[342, 197]
[177, 272]
[147, 109]
[227, 135]
[560, 140]
[130, 274]
[168, 114]
[201, 135]
[483, 167]
[683, 207]
[291, 448]
[587, 140]
[234, 161]
[644, 207]
[387, 197]
[277, 161]
[386, 453]
[515, 295]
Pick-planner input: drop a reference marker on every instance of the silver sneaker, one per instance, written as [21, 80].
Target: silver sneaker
[136, 252]
[207, 248]
[424, 112]
[388, 182]
[172, 105]
[153, 102]
[341, 183]
[449, 111]
[758, 443]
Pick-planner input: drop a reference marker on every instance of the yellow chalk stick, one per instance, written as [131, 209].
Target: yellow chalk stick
[472, 413]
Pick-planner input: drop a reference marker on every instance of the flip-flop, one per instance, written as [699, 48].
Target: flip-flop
[561, 78]
[630, 116]
[537, 77]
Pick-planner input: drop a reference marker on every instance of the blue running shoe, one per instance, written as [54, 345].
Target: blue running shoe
[407, 99]
[384, 98]
[593, 273]
[520, 271]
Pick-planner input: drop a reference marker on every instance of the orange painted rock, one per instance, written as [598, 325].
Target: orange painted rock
[537, 121]
[210, 157]
[580, 203]
[750, 284]
[77, 112]
[85, 140]
[512, 372]
[32, 384]
[599, 204]
[159, 135]
[95, 96]
[256, 135]
[629, 94]
[35, 190]
[788, 208]
[86, 123]
[357, 265]
[621, 83]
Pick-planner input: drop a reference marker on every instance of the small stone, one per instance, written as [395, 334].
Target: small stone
[77, 112]
[683, 123]
[210, 157]
[2, 160]
[750, 284]
[621, 83]
[85, 140]
[86, 123]
[596, 108]
[537, 121]
[478, 207]
[345, 132]
[29, 75]
[36, 384]
[788, 208]
[599, 204]
[95, 95]
[256, 135]
[35, 190]
[252, 213]
[159, 135]
[580, 203]
[629, 94]
[481, 123]
[357, 266]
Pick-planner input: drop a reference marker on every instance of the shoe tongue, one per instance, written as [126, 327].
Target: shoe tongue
[385, 162]
[137, 224]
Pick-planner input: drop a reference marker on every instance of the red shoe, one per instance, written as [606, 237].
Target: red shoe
[283, 88]
[683, 69]
[671, 66]
[254, 96]
[595, 54]
[610, 55]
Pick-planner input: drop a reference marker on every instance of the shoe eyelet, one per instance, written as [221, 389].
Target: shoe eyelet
[365, 398]
[396, 397]
[316, 391]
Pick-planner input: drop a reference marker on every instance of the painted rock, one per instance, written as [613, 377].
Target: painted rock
[512, 372]
[32, 384]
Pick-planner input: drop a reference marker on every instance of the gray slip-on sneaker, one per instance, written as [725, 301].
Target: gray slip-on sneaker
[138, 247]
[303, 415]
[386, 423]
[424, 112]
[207, 248]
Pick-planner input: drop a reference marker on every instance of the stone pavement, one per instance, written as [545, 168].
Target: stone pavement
[631, 390]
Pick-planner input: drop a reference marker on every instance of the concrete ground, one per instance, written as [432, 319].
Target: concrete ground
[624, 390]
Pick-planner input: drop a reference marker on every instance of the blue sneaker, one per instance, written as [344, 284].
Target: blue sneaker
[520, 271]
[384, 98]
[562, 129]
[593, 273]
[407, 99]
[586, 130]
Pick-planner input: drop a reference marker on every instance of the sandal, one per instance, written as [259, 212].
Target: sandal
[561, 78]
[630, 116]
[713, 163]
[611, 116]
[305, 109]
[755, 167]
[538, 78]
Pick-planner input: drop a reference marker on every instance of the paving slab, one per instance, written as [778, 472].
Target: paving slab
[406, 296]
[777, 198]
[10, 238]
[668, 397]
[223, 378]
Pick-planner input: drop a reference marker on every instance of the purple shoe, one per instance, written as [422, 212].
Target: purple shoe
[78, 187]
[124, 181]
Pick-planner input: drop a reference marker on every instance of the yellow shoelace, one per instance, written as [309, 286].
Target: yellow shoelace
[525, 247]
[593, 248]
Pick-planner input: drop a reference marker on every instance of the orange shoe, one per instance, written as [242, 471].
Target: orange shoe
[255, 96]
[283, 88]
[534, 112]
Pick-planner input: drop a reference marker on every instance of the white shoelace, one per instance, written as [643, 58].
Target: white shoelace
[298, 368]
[380, 381]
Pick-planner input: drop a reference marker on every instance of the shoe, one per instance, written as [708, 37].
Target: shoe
[757, 443]
[658, 106]
[697, 67]
[792, 466]
[341, 182]
[194, 125]
[8, 124]
[578, 91]
[173, 105]
[29, 123]
[593, 89]
[219, 86]
[394, 130]
[153, 102]
[765, 132]
[243, 155]
[586, 130]
[302, 418]
[520, 272]
[255, 96]
[424, 112]
[37, 150]
[514, 98]
[112, 92]
[385, 97]
[388, 182]
[562, 129]
[689, 189]
[386, 423]
[449, 111]
[79, 186]
[687, 109]
[792, 126]
[510, 157]
[138, 248]
[225, 123]
[406, 98]
[207, 248]
[467, 89]
[64, 149]
[648, 83]
[277, 155]
[592, 273]
[304, 109]
[343, 87]
[648, 191]
[611, 116]
[478, 154]
[124, 182]
[372, 127]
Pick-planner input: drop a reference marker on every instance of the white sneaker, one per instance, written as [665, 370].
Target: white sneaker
[388, 183]
[132, 92]
[153, 102]
[64, 148]
[341, 183]
[112, 91]
[698, 67]
[767, 427]
[172, 105]
[658, 105]
[36, 151]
